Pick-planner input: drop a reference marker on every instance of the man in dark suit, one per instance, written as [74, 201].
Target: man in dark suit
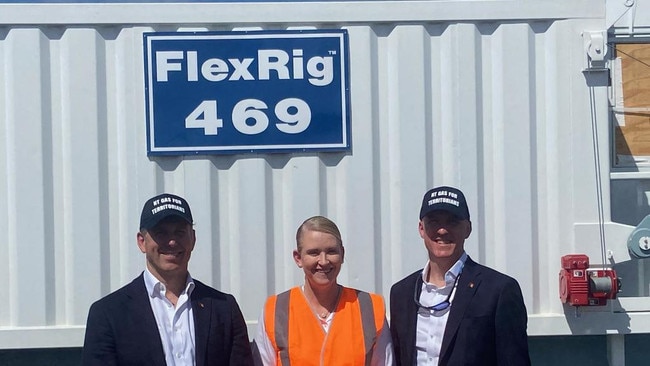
[165, 317]
[455, 311]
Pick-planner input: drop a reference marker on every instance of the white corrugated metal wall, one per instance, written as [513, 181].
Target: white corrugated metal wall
[486, 95]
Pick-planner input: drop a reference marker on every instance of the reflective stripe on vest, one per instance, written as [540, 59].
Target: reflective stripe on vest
[368, 321]
[281, 325]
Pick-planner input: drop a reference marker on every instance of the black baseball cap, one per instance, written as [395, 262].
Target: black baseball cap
[162, 206]
[445, 198]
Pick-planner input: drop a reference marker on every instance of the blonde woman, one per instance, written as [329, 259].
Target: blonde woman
[322, 322]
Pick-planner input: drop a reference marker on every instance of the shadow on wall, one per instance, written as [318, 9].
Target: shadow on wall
[41, 357]
[635, 277]
[597, 320]
[227, 161]
[585, 350]
[568, 351]
[629, 206]
[629, 200]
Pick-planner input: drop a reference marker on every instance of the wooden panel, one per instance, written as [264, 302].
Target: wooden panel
[633, 138]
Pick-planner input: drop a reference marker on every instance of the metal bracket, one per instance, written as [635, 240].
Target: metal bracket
[595, 44]
[615, 10]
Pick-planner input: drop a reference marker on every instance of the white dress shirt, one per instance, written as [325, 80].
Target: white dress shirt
[431, 323]
[175, 323]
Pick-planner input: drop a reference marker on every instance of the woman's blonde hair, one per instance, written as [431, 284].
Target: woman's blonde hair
[321, 224]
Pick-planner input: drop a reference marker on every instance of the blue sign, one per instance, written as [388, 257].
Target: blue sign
[257, 91]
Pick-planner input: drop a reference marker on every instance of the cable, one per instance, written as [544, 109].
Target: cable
[599, 187]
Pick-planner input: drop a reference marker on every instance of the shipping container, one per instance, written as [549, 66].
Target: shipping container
[537, 110]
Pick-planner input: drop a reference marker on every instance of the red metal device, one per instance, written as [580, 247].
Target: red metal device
[581, 286]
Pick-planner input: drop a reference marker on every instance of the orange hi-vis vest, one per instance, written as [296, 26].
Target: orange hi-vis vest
[300, 340]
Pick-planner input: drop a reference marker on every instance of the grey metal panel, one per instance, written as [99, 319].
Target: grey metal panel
[299, 12]
[462, 93]
[24, 171]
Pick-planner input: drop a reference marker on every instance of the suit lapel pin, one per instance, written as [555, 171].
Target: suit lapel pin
[471, 285]
[201, 305]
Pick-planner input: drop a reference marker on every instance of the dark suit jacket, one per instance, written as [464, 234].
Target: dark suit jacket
[486, 324]
[122, 330]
